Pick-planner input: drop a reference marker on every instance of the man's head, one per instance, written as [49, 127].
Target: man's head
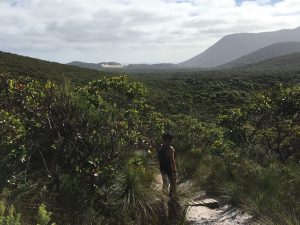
[167, 139]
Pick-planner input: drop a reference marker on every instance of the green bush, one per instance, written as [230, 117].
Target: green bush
[8, 215]
[43, 217]
[63, 144]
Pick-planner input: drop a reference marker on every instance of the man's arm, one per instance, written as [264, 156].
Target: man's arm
[172, 159]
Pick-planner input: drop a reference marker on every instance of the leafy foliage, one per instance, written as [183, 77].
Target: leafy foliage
[71, 142]
[44, 217]
[270, 123]
[8, 215]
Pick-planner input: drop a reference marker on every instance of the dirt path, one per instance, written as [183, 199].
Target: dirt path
[208, 211]
[223, 215]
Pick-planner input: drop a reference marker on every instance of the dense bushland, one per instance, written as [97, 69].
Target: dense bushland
[206, 94]
[75, 150]
[265, 135]
[85, 154]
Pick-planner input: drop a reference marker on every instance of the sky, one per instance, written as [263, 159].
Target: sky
[133, 31]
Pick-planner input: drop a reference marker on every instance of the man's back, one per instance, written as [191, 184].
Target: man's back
[164, 158]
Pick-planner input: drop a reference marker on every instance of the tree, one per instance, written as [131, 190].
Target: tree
[271, 121]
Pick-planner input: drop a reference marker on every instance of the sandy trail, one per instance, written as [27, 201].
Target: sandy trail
[207, 211]
[225, 215]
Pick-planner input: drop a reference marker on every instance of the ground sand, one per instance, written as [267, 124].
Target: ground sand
[225, 215]
[203, 215]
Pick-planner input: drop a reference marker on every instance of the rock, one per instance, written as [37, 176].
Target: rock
[209, 202]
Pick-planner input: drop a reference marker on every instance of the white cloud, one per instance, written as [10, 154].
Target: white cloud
[132, 30]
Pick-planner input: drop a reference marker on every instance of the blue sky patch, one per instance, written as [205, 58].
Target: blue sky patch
[239, 2]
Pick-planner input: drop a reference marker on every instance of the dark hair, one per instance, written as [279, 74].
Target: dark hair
[167, 136]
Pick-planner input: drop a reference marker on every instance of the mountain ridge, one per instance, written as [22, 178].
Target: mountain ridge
[234, 46]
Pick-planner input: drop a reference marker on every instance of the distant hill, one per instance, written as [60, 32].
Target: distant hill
[234, 46]
[271, 51]
[44, 70]
[96, 66]
[151, 66]
[93, 66]
[111, 65]
[114, 65]
[289, 62]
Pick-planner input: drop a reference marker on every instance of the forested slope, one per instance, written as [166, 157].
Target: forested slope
[269, 52]
[284, 63]
[44, 70]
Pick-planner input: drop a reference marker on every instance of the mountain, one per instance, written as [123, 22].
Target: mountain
[96, 66]
[234, 46]
[271, 51]
[290, 62]
[44, 70]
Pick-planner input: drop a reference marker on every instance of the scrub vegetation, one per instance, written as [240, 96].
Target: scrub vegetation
[83, 150]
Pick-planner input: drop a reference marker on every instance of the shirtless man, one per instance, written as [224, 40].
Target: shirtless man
[166, 156]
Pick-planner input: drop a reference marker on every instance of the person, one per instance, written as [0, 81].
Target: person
[166, 156]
